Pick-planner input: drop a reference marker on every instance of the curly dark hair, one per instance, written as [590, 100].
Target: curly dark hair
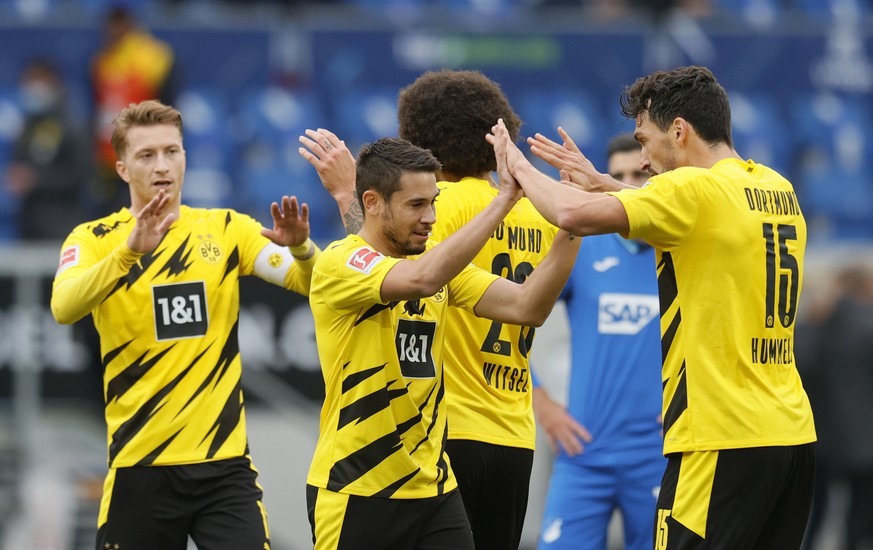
[381, 164]
[688, 92]
[449, 113]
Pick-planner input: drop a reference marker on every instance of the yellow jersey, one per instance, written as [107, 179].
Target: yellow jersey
[383, 422]
[487, 364]
[730, 244]
[168, 324]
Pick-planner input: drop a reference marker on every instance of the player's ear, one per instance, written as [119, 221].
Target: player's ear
[372, 202]
[121, 169]
[681, 130]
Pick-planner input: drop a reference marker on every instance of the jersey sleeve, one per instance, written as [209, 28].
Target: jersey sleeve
[352, 276]
[86, 275]
[467, 288]
[266, 260]
[662, 212]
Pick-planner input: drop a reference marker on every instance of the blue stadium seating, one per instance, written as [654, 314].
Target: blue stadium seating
[759, 132]
[269, 122]
[11, 120]
[365, 114]
[582, 116]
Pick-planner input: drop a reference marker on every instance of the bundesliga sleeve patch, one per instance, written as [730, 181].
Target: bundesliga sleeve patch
[69, 257]
[363, 260]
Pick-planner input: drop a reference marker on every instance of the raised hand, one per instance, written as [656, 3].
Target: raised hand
[152, 223]
[505, 151]
[566, 158]
[335, 166]
[290, 222]
[331, 159]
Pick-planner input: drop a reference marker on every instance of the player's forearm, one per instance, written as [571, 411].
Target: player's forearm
[543, 287]
[574, 210]
[350, 211]
[75, 297]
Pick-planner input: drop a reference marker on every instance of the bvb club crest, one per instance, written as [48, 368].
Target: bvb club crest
[210, 252]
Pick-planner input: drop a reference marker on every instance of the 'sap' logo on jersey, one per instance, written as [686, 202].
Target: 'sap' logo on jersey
[364, 259]
[625, 313]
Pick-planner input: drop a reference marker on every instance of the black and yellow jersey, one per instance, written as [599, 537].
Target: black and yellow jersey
[489, 392]
[730, 244]
[383, 422]
[168, 324]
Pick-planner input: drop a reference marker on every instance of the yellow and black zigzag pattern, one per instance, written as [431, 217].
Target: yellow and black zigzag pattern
[169, 342]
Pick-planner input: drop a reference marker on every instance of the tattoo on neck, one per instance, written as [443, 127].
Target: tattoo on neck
[354, 218]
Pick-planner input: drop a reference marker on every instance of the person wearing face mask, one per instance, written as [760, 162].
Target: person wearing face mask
[48, 170]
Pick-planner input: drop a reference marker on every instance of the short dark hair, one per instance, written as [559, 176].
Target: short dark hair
[449, 113]
[622, 143]
[688, 92]
[381, 164]
[145, 113]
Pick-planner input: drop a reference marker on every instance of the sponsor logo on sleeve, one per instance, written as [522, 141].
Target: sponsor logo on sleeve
[69, 257]
[364, 259]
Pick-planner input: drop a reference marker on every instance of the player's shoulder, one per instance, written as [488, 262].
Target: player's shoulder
[350, 252]
[683, 175]
[470, 191]
[106, 226]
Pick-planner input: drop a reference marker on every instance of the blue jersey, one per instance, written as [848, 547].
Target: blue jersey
[615, 374]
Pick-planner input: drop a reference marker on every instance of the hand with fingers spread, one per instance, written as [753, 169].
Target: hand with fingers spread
[152, 223]
[331, 159]
[567, 158]
[290, 222]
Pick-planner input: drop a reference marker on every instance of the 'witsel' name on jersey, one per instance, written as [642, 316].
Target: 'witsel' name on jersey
[626, 313]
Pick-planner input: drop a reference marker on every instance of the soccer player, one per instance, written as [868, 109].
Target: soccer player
[381, 477]
[608, 438]
[492, 433]
[160, 280]
[729, 238]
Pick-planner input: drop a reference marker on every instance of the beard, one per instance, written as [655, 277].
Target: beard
[403, 246]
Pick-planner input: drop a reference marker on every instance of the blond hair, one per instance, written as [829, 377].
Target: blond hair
[145, 113]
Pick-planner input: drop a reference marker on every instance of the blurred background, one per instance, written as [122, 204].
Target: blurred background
[250, 76]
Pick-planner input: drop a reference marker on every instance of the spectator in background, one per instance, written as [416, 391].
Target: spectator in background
[130, 67]
[841, 372]
[608, 438]
[49, 166]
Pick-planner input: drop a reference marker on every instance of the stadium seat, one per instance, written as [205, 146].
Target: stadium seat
[543, 110]
[363, 115]
[11, 121]
[208, 145]
[759, 131]
[834, 145]
[268, 124]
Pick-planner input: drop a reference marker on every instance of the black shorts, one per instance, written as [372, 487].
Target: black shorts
[737, 499]
[219, 504]
[349, 522]
[494, 481]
